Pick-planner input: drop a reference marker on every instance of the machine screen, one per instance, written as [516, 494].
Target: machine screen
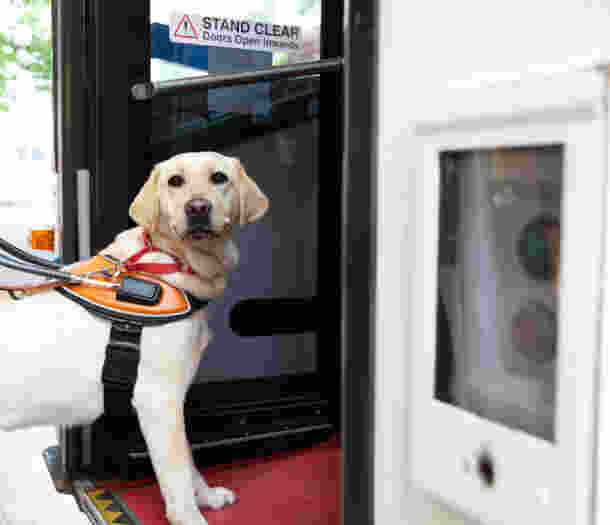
[498, 284]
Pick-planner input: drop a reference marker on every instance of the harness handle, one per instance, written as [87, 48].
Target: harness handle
[54, 278]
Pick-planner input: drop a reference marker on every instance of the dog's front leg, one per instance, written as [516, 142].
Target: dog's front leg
[206, 496]
[161, 417]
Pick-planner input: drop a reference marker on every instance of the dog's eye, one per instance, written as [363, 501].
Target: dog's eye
[219, 177]
[176, 181]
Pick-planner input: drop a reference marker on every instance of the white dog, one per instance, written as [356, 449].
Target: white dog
[53, 350]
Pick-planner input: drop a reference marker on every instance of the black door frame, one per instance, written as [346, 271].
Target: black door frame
[360, 266]
[84, 139]
[70, 116]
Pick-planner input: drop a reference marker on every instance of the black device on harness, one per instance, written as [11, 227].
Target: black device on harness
[139, 291]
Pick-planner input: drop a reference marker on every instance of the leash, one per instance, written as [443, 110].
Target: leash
[55, 277]
[128, 289]
[32, 265]
[59, 276]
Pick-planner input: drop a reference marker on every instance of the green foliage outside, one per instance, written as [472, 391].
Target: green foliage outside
[25, 44]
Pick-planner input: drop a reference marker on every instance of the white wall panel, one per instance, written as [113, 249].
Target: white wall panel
[426, 48]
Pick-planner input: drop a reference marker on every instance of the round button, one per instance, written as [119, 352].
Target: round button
[486, 469]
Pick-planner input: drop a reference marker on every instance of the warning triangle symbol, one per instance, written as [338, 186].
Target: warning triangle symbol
[185, 28]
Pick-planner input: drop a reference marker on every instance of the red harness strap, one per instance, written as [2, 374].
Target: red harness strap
[132, 264]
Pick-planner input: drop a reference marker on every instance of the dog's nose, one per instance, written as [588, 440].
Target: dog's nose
[198, 208]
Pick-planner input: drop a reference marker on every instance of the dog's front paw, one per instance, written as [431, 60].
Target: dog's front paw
[216, 497]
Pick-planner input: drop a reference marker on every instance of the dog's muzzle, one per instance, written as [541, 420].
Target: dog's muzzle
[198, 218]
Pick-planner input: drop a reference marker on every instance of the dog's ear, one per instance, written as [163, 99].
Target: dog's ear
[253, 203]
[145, 208]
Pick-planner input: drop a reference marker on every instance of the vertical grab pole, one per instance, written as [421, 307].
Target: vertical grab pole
[83, 199]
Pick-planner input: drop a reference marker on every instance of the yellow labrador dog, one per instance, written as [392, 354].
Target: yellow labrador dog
[51, 375]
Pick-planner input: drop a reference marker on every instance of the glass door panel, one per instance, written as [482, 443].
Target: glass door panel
[276, 139]
[273, 128]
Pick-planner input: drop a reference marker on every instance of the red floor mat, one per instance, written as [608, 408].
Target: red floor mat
[293, 488]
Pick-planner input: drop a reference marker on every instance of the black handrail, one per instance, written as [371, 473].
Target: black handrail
[148, 90]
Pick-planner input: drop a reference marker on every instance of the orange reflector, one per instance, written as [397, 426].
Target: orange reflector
[42, 239]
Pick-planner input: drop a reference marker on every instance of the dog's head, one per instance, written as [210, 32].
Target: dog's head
[197, 196]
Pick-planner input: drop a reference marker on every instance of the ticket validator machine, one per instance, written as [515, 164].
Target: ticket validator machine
[509, 324]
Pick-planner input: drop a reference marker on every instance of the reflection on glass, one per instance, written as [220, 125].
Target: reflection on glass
[277, 143]
[498, 270]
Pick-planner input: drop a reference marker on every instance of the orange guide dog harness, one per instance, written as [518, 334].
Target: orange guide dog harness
[120, 369]
[172, 303]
